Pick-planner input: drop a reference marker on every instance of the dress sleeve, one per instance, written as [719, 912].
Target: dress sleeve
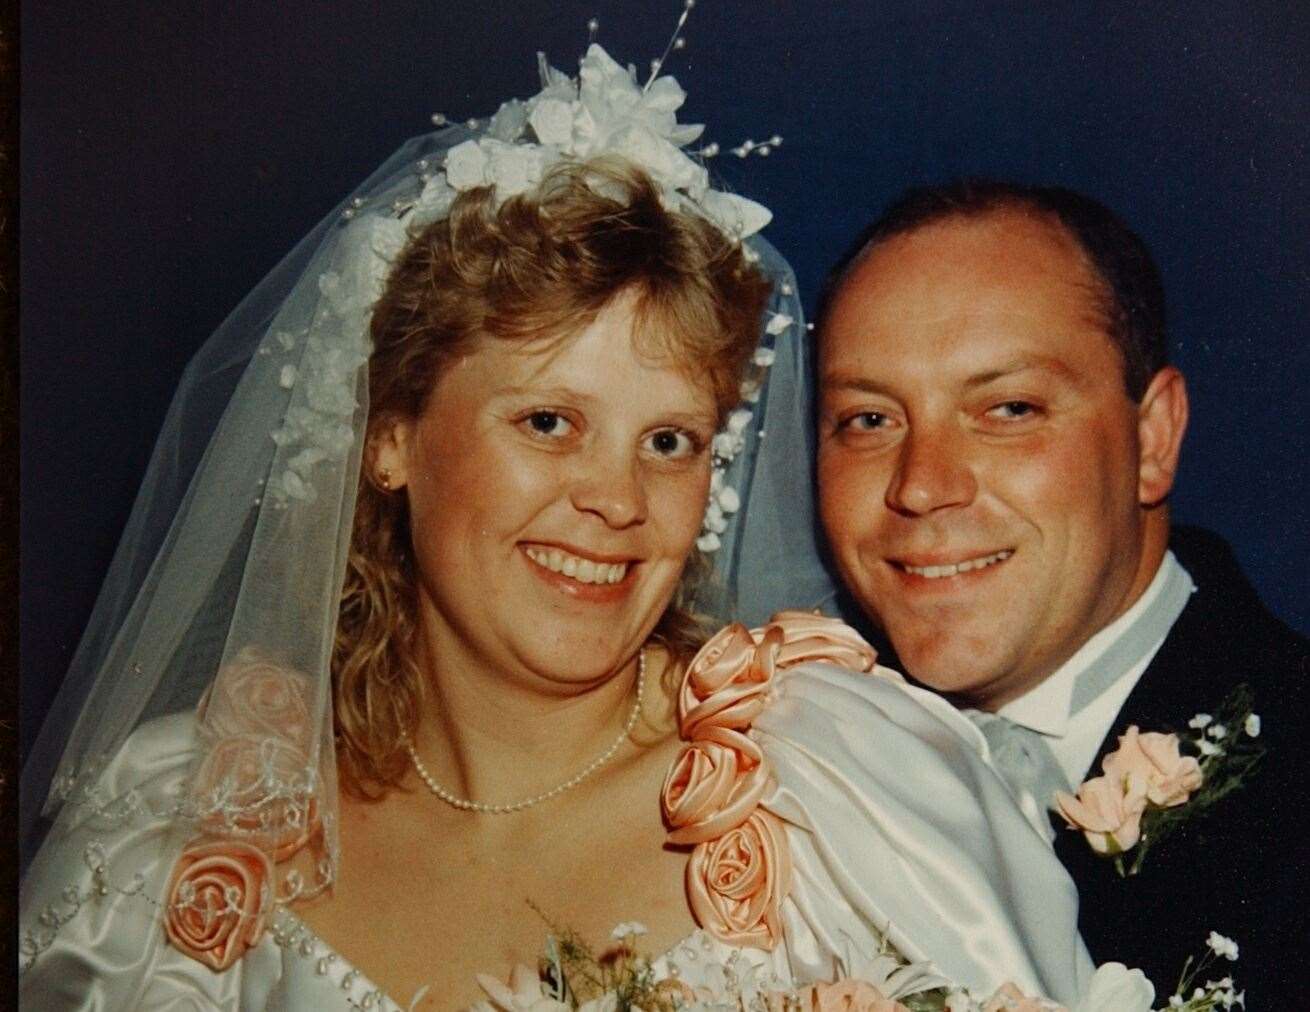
[899, 828]
[90, 930]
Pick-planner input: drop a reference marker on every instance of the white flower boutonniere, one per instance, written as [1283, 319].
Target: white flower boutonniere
[1153, 783]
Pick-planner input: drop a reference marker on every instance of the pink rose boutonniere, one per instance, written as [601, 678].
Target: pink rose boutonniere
[1150, 786]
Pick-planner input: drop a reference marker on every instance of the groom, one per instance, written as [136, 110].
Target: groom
[999, 430]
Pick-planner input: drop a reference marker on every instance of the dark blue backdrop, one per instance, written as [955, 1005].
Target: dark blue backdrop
[172, 152]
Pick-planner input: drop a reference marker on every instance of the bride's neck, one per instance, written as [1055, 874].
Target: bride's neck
[497, 735]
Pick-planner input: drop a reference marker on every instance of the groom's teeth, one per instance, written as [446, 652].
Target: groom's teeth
[580, 569]
[937, 572]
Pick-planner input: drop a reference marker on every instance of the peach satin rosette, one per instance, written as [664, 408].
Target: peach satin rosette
[217, 901]
[254, 796]
[740, 869]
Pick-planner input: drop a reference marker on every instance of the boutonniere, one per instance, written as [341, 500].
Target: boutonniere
[1153, 783]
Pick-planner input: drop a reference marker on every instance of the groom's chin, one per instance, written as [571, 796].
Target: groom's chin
[973, 671]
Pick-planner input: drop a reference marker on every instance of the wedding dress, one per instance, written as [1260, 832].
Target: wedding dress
[897, 826]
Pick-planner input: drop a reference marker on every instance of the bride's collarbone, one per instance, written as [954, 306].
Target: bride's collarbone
[428, 894]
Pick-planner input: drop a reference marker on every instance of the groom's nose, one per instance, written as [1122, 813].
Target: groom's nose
[932, 473]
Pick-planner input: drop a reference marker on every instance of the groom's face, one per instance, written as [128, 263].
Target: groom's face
[978, 454]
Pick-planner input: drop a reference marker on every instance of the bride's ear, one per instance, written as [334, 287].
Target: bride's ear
[386, 457]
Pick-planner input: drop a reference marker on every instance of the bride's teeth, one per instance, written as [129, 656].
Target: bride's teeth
[952, 569]
[582, 570]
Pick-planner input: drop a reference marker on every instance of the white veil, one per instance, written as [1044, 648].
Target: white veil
[223, 594]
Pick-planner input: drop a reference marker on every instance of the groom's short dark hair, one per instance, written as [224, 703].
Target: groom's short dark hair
[1131, 296]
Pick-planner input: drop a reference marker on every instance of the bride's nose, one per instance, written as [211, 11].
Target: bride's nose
[610, 485]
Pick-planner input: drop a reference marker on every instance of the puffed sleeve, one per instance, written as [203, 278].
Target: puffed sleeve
[898, 826]
[90, 930]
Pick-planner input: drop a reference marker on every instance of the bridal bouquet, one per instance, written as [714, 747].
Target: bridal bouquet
[574, 976]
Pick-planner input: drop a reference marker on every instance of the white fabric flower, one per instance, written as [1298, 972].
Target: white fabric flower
[715, 522]
[552, 121]
[778, 322]
[1115, 988]
[513, 168]
[1200, 720]
[466, 166]
[734, 215]
[435, 200]
[724, 445]
[1252, 726]
[508, 122]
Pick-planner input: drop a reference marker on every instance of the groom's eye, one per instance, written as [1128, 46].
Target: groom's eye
[864, 421]
[1012, 410]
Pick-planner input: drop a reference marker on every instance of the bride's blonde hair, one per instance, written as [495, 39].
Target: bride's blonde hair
[541, 264]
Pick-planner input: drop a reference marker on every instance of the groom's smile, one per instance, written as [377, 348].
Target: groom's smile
[940, 570]
[978, 451]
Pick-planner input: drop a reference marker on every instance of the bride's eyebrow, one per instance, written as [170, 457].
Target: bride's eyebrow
[544, 393]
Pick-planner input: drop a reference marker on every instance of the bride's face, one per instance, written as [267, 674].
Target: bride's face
[555, 493]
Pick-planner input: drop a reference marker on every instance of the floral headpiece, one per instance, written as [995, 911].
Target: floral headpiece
[603, 111]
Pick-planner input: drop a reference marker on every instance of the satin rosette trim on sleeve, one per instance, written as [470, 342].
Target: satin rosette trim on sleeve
[740, 868]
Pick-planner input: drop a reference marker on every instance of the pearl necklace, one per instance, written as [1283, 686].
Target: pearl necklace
[466, 805]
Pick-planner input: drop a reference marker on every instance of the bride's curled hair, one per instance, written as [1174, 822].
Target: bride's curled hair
[540, 265]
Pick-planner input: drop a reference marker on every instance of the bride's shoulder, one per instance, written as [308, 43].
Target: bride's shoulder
[146, 768]
[802, 668]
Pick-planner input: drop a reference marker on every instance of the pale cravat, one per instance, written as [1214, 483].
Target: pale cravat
[1025, 762]
[1023, 757]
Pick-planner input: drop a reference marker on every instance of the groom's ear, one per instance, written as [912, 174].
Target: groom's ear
[1161, 422]
[386, 456]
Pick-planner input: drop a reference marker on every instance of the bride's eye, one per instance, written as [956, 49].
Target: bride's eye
[548, 424]
[673, 444]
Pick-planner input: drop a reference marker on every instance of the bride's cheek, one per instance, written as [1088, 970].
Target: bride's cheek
[679, 502]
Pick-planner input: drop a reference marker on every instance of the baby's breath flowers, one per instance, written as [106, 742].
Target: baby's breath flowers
[1190, 996]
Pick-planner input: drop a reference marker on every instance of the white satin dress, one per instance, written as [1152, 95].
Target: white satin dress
[897, 825]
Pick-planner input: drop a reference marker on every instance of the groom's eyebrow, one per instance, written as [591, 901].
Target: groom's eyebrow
[853, 381]
[1043, 364]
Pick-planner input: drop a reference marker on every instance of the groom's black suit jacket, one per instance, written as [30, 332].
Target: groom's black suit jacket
[1244, 868]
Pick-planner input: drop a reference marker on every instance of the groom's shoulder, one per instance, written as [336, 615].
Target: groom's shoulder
[1225, 624]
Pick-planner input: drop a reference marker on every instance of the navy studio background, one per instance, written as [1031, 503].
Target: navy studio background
[171, 153]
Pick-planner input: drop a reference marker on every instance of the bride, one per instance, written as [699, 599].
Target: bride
[413, 646]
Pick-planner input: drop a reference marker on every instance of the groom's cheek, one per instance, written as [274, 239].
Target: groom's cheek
[851, 499]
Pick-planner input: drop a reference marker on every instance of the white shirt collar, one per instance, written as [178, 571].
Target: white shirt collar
[1045, 707]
